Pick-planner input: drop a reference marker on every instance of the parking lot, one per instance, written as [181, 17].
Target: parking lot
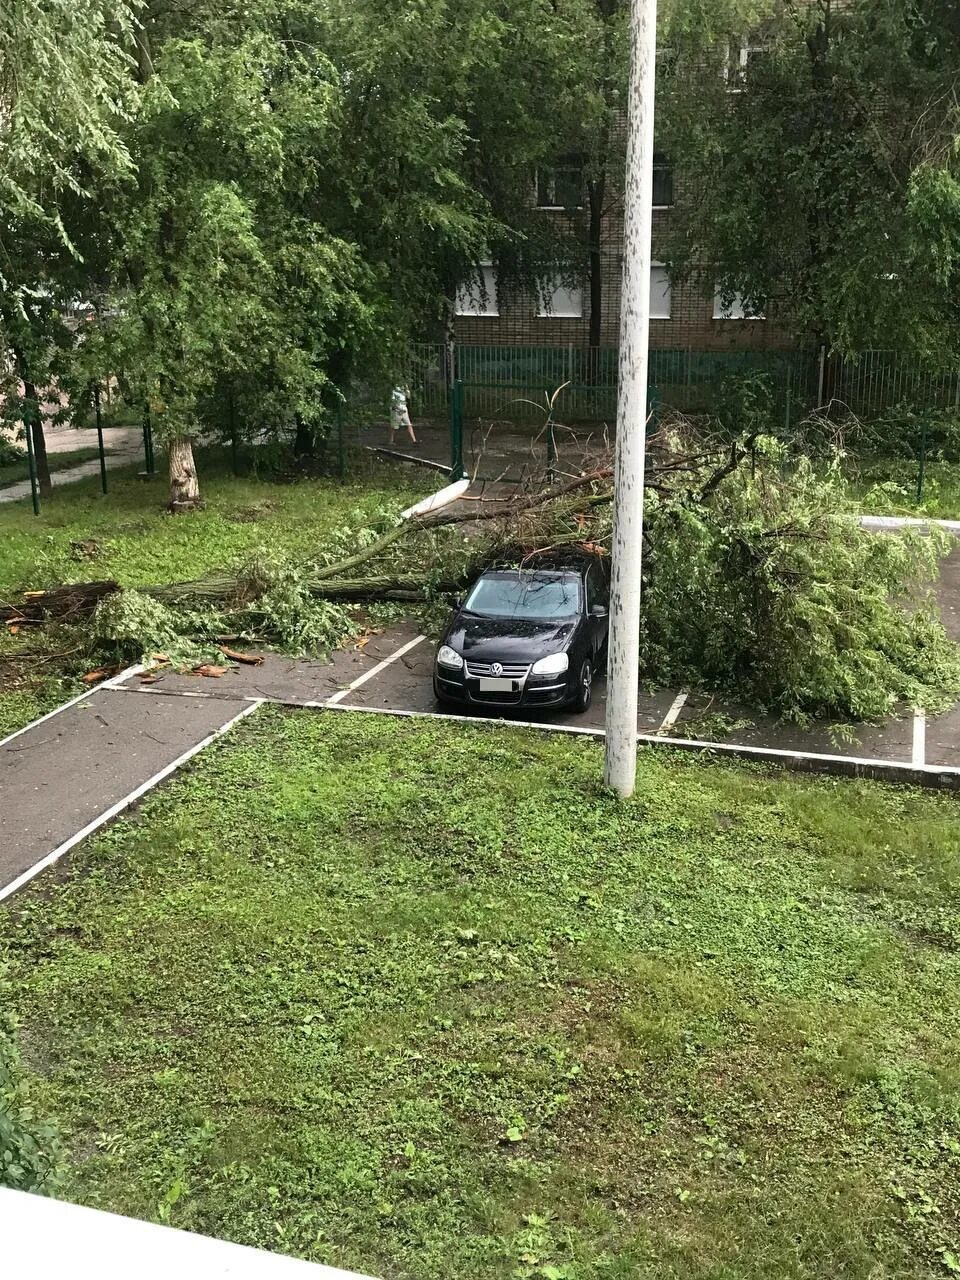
[392, 674]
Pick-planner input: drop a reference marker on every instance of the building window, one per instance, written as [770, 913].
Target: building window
[661, 294]
[734, 306]
[662, 181]
[561, 186]
[478, 297]
[559, 301]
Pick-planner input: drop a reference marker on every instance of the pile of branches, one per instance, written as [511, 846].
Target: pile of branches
[757, 581]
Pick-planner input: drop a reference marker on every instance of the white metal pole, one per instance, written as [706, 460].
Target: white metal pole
[624, 647]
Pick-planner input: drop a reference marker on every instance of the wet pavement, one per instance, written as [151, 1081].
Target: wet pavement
[123, 446]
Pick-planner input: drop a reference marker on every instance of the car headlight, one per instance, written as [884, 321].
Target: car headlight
[447, 657]
[555, 665]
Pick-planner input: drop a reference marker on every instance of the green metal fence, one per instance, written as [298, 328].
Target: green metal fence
[884, 380]
[514, 382]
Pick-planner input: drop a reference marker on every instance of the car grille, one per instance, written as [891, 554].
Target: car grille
[511, 671]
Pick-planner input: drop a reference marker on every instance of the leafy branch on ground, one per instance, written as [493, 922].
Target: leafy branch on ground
[758, 584]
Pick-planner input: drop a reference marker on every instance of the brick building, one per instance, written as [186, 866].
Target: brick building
[683, 317]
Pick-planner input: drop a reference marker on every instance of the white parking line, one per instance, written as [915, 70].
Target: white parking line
[56, 854]
[889, 770]
[673, 715]
[374, 671]
[919, 738]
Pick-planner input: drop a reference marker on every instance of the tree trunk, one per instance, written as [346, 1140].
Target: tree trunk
[304, 442]
[184, 485]
[33, 422]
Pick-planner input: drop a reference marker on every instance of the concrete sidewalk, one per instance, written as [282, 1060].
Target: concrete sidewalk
[123, 446]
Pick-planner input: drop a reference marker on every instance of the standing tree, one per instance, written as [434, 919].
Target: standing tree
[222, 282]
[820, 171]
[65, 93]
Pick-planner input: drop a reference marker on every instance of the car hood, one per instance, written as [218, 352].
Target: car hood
[508, 640]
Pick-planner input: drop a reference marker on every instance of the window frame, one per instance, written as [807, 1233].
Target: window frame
[744, 317]
[663, 166]
[558, 284]
[738, 60]
[572, 163]
[491, 293]
[668, 295]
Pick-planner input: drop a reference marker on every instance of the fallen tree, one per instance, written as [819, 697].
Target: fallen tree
[757, 582]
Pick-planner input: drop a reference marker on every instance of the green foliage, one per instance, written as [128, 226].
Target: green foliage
[284, 609]
[32, 1157]
[11, 454]
[420, 1000]
[769, 591]
[130, 626]
[828, 182]
[65, 90]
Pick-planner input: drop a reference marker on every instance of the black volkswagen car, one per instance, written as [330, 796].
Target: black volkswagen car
[526, 638]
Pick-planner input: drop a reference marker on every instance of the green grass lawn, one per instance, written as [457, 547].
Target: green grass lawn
[14, 472]
[128, 536]
[423, 1001]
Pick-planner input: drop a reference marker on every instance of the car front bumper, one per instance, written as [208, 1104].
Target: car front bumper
[550, 691]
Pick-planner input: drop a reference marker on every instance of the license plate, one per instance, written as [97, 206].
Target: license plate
[499, 686]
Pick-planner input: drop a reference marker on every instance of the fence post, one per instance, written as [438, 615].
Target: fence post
[103, 460]
[921, 475]
[822, 376]
[32, 461]
[148, 446]
[456, 431]
[234, 443]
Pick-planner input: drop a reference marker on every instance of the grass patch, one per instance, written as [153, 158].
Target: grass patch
[14, 472]
[421, 1000]
[129, 537]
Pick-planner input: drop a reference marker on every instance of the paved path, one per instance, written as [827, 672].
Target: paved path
[122, 446]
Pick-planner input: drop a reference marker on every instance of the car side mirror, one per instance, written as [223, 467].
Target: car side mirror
[599, 611]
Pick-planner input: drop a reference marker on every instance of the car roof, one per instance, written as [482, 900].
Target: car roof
[571, 571]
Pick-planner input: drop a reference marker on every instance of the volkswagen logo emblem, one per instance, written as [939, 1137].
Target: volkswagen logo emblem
[497, 668]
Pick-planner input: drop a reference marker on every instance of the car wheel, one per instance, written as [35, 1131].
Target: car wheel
[585, 687]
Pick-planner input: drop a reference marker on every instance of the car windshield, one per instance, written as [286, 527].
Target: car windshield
[525, 596]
